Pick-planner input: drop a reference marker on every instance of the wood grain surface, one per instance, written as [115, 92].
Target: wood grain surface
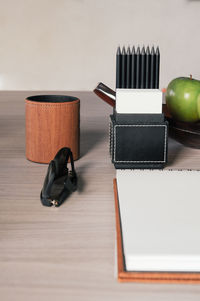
[67, 253]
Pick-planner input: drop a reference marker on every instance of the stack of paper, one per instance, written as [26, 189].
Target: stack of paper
[160, 219]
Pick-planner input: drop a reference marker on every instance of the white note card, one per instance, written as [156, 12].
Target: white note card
[138, 101]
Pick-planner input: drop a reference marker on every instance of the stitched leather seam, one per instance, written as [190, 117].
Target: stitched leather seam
[111, 138]
[139, 125]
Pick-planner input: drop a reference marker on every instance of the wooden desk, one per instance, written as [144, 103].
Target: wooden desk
[67, 253]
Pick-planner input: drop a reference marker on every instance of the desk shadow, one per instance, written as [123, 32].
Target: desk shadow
[81, 182]
[174, 150]
[89, 139]
[81, 174]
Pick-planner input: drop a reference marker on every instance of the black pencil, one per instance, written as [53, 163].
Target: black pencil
[118, 68]
[123, 83]
[147, 79]
[133, 69]
[157, 71]
[138, 59]
[128, 68]
[143, 68]
[152, 70]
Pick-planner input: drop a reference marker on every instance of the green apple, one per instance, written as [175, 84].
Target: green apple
[183, 99]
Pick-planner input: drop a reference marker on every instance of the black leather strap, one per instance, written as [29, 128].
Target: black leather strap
[59, 181]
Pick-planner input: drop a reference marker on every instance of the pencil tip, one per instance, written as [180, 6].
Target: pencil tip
[133, 50]
[152, 50]
[118, 50]
[143, 50]
[148, 50]
[123, 50]
[128, 50]
[157, 50]
[138, 50]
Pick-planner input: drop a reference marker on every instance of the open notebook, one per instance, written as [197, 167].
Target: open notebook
[160, 220]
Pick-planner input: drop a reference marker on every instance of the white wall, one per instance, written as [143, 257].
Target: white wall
[71, 44]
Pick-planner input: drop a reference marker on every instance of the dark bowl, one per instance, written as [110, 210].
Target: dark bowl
[187, 133]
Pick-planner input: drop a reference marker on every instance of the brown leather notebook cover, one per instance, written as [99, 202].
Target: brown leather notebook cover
[161, 277]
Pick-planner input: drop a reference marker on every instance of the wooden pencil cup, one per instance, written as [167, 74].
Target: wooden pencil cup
[52, 122]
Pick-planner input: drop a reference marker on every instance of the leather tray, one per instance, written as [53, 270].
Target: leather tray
[161, 277]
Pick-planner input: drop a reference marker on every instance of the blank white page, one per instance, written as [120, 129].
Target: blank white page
[160, 219]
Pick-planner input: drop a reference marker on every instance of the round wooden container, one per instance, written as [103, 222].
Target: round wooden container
[52, 122]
